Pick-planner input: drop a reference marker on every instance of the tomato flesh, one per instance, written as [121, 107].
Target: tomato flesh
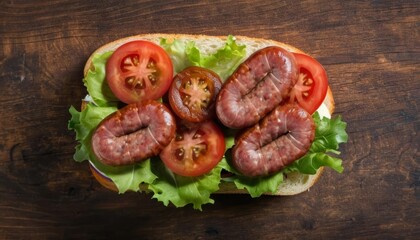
[193, 92]
[195, 150]
[139, 71]
[312, 85]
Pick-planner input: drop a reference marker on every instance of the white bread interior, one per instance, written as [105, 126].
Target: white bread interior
[294, 183]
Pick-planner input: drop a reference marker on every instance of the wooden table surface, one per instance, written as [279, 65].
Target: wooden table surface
[370, 49]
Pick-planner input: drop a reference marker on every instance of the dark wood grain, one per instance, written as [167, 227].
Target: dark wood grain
[370, 50]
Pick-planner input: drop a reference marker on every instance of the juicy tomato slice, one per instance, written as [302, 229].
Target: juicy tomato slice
[139, 71]
[312, 85]
[193, 92]
[195, 150]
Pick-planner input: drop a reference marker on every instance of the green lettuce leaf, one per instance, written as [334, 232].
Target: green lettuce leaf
[127, 178]
[329, 133]
[96, 84]
[257, 186]
[223, 62]
[83, 124]
[177, 53]
[311, 162]
[180, 191]
[82, 153]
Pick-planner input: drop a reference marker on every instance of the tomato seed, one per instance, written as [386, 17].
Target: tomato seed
[139, 84]
[186, 100]
[201, 82]
[196, 153]
[309, 82]
[204, 103]
[198, 134]
[151, 64]
[179, 137]
[130, 80]
[127, 61]
[152, 79]
[135, 60]
[179, 153]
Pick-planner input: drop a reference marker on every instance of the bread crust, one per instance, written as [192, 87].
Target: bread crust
[302, 182]
[155, 37]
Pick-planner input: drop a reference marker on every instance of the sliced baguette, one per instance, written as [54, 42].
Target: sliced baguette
[294, 183]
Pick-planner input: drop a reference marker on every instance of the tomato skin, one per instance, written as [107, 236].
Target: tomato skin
[138, 71]
[312, 85]
[195, 150]
[193, 93]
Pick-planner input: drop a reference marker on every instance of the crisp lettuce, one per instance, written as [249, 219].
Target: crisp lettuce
[96, 84]
[83, 123]
[223, 61]
[179, 190]
[177, 52]
[130, 177]
[329, 133]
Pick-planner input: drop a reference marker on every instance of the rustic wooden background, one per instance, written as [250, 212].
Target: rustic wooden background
[370, 49]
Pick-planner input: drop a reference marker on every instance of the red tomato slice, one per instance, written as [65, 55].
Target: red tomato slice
[195, 150]
[312, 85]
[193, 92]
[139, 71]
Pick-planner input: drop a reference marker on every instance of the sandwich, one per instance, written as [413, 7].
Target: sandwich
[182, 117]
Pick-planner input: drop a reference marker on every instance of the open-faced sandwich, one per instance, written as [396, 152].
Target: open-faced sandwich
[186, 116]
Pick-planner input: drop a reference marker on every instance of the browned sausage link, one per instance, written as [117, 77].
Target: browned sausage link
[133, 133]
[256, 87]
[282, 137]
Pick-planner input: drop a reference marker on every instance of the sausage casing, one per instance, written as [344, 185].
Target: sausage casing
[257, 86]
[133, 133]
[283, 136]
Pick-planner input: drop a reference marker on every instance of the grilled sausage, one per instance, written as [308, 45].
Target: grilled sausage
[282, 137]
[256, 87]
[133, 133]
